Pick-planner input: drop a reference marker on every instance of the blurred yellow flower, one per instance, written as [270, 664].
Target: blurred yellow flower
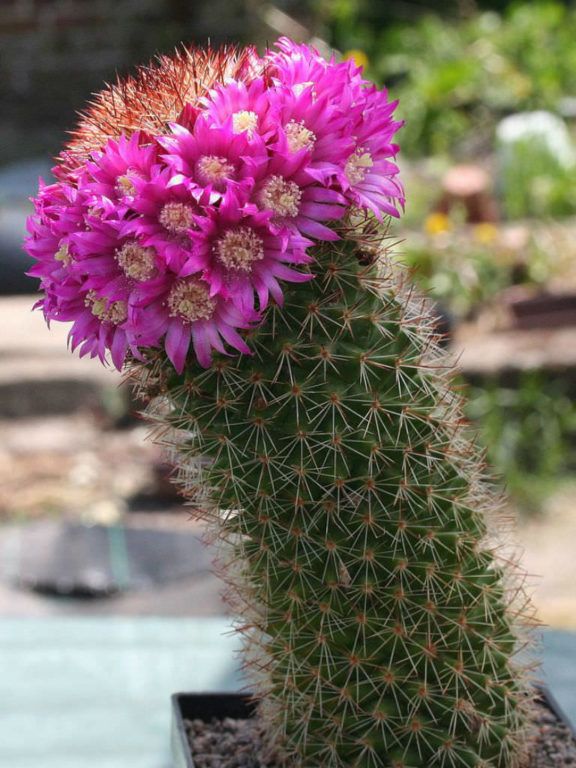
[485, 233]
[358, 57]
[437, 223]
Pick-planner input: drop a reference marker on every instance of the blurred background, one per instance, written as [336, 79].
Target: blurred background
[107, 604]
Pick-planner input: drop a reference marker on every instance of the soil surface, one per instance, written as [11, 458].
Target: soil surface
[553, 744]
[232, 743]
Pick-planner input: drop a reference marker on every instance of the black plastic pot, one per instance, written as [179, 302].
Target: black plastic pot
[205, 706]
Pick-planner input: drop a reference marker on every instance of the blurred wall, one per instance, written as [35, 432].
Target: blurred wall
[54, 53]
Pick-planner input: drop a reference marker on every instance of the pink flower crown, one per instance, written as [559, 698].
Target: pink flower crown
[162, 240]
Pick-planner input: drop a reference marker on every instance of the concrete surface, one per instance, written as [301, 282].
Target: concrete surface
[88, 693]
[38, 374]
[546, 543]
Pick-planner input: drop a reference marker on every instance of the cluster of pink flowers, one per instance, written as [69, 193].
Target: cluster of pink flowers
[186, 238]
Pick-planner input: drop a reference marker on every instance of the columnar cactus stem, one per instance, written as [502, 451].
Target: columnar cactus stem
[216, 223]
[377, 617]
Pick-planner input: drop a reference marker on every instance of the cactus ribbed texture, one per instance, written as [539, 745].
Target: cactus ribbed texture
[381, 626]
[379, 621]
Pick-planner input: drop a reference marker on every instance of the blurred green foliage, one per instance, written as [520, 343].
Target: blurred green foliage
[460, 277]
[537, 183]
[458, 67]
[466, 268]
[456, 77]
[528, 426]
[529, 430]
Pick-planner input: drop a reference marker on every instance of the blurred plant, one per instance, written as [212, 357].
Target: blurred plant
[357, 56]
[459, 266]
[536, 163]
[466, 267]
[456, 79]
[529, 430]
[437, 223]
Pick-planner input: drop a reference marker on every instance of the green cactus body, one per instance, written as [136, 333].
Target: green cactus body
[378, 620]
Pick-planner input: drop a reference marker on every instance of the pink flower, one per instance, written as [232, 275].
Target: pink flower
[109, 179]
[213, 158]
[359, 116]
[98, 323]
[285, 190]
[311, 126]
[59, 213]
[183, 311]
[183, 240]
[244, 255]
[99, 327]
[242, 108]
[370, 176]
[164, 216]
[301, 67]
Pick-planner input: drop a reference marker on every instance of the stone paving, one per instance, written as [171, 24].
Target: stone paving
[483, 352]
[38, 375]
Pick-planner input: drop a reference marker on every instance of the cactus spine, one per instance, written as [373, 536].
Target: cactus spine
[379, 623]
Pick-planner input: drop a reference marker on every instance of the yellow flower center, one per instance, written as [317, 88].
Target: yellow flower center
[299, 137]
[136, 261]
[114, 312]
[213, 169]
[177, 218]
[125, 183]
[239, 248]
[244, 121]
[63, 254]
[357, 165]
[190, 300]
[95, 211]
[281, 196]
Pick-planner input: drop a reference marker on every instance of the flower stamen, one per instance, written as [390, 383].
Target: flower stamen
[239, 248]
[244, 121]
[177, 218]
[281, 196]
[299, 137]
[125, 183]
[114, 312]
[214, 170]
[63, 254]
[358, 165]
[136, 261]
[190, 301]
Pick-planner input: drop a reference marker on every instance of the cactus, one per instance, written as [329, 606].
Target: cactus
[328, 453]
[377, 621]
